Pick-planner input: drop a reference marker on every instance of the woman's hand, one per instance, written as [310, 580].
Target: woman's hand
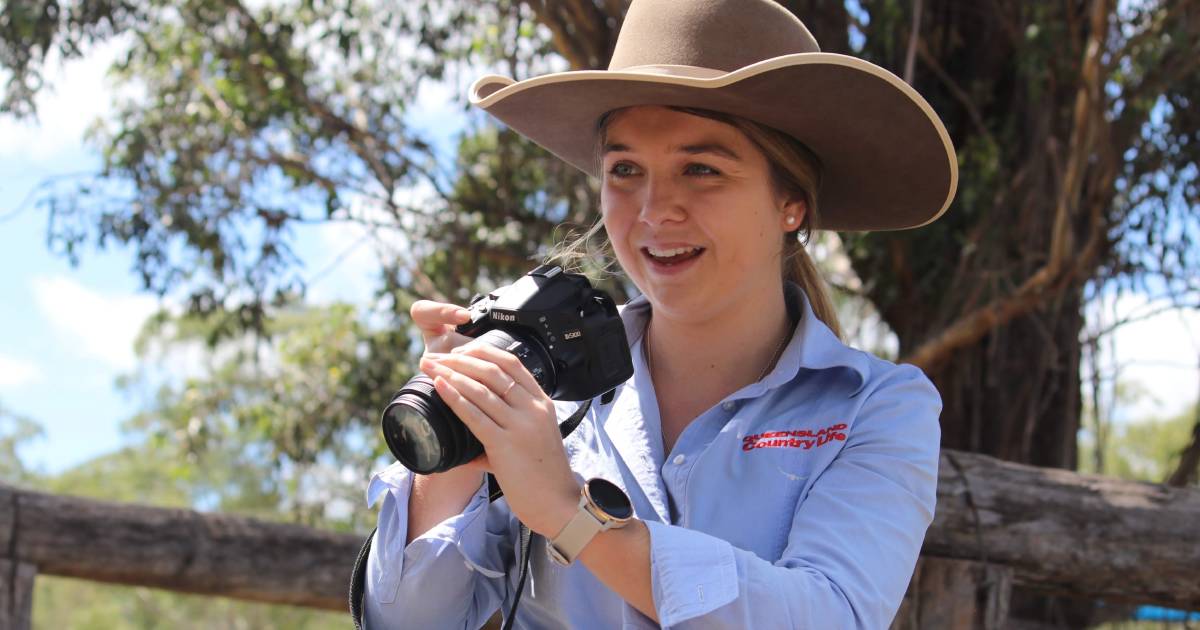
[501, 403]
[437, 321]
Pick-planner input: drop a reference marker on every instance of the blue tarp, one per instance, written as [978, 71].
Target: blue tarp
[1158, 613]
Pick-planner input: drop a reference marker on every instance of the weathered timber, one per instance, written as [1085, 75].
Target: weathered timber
[1077, 534]
[1055, 529]
[16, 594]
[180, 550]
[959, 594]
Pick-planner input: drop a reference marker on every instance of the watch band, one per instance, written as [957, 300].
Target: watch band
[579, 531]
[575, 535]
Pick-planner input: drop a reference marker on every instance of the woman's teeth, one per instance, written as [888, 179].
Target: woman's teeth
[669, 253]
[673, 255]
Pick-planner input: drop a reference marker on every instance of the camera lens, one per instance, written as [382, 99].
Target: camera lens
[426, 436]
[423, 433]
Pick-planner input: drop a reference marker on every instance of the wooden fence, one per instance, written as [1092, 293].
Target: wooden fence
[997, 524]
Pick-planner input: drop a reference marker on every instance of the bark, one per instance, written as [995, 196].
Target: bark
[957, 594]
[179, 550]
[16, 594]
[1056, 530]
[1068, 533]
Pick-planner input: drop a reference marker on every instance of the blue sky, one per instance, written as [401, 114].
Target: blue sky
[66, 333]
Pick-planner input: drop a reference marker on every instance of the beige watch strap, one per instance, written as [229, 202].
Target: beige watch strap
[577, 533]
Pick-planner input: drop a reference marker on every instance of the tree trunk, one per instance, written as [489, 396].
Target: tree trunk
[958, 594]
[1016, 395]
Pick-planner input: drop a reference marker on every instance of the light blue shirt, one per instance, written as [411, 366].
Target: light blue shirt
[799, 501]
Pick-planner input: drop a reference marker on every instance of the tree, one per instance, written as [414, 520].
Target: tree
[1074, 123]
[15, 432]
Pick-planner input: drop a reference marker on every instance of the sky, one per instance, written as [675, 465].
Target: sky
[66, 333]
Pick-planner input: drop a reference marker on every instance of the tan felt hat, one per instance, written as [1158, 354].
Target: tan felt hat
[887, 162]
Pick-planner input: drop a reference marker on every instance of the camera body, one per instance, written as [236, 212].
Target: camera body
[566, 333]
[569, 334]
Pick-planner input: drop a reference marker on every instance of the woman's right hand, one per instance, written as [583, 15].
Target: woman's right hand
[437, 321]
[439, 496]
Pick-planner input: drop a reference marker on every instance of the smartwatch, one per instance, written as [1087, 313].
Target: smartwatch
[602, 506]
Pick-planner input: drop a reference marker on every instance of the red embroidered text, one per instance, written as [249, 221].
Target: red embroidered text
[800, 438]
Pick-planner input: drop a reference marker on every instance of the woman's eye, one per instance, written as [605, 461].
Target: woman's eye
[621, 169]
[701, 169]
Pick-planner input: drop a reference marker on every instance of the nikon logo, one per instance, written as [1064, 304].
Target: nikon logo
[504, 317]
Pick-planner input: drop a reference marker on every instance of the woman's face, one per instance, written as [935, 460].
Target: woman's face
[691, 213]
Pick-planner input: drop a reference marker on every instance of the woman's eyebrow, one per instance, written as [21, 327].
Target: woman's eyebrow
[690, 149]
[710, 147]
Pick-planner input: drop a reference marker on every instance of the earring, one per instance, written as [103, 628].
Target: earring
[790, 220]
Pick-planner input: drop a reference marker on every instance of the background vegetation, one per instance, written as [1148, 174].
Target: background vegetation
[1075, 124]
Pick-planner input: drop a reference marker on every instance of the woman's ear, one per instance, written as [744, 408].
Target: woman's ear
[793, 213]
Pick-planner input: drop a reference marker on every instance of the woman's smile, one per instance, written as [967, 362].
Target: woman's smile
[690, 210]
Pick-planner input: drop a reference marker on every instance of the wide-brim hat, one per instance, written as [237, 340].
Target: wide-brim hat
[886, 160]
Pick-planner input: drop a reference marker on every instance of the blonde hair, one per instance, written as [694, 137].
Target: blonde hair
[795, 173]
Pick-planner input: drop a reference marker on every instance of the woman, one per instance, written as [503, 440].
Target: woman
[777, 478]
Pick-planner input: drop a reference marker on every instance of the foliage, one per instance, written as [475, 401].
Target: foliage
[284, 423]
[1074, 123]
[15, 432]
[79, 605]
[1144, 450]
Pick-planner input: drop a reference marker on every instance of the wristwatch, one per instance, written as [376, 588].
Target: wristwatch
[602, 506]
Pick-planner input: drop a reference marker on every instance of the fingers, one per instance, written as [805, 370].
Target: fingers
[436, 321]
[479, 423]
[437, 318]
[481, 383]
[505, 360]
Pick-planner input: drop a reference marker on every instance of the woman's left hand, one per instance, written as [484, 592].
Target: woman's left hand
[501, 403]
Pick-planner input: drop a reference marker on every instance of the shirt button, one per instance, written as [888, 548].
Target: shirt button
[728, 406]
[679, 459]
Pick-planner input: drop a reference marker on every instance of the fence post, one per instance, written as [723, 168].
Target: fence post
[16, 594]
[955, 594]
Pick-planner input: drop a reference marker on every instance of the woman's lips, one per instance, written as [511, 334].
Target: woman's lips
[673, 265]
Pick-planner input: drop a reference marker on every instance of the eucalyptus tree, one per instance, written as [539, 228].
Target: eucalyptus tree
[1075, 124]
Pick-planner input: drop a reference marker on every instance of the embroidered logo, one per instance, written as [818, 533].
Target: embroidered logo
[800, 438]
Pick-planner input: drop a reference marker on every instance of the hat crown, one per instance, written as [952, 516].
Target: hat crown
[718, 34]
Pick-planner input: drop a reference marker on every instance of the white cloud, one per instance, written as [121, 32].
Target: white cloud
[18, 372]
[99, 325]
[76, 95]
[1158, 355]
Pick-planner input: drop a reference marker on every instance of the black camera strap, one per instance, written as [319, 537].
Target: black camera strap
[358, 580]
[526, 537]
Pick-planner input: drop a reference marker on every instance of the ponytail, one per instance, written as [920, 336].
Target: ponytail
[799, 267]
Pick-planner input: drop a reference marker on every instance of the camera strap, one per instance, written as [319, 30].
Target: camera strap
[565, 429]
[358, 579]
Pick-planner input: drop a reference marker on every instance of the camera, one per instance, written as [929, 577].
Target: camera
[566, 333]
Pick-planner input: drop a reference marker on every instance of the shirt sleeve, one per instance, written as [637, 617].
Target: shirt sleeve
[453, 576]
[853, 542]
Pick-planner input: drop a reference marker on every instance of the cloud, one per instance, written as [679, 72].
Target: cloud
[98, 325]
[1158, 355]
[77, 94]
[18, 372]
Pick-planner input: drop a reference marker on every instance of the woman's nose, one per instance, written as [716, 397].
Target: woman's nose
[662, 202]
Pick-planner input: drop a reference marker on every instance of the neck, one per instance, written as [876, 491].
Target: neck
[721, 354]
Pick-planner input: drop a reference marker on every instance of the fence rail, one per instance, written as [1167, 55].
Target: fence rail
[1053, 529]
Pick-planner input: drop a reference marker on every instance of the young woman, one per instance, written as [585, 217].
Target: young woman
[776, 477]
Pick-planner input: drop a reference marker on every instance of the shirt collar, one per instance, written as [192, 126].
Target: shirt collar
[813, 345]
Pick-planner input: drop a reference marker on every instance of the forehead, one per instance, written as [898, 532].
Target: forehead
[647, 128]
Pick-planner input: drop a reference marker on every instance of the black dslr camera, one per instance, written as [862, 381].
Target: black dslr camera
[567, 334]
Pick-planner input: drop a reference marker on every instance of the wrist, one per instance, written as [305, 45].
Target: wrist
[559, 511]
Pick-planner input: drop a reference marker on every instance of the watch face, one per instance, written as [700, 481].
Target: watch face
[610, 498]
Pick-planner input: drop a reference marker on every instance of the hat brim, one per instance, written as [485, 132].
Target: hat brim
[887, 161]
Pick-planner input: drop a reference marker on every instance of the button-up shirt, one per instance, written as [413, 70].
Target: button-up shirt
[799, 501]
